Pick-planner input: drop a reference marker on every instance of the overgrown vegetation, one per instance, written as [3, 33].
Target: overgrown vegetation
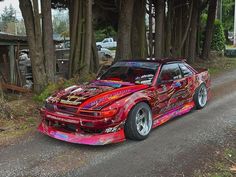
[26, 118]
[61, 84]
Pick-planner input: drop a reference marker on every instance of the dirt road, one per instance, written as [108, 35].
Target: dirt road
[174, 149]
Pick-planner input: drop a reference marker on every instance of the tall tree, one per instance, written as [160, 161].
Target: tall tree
[193, 32]
[30, 13]
[8, 15]
[209, 29]
[123, 50]
[159, 24]
[83, 57]
[138, 35]
[48, 44]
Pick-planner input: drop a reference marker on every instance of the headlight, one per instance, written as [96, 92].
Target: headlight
[103, 113]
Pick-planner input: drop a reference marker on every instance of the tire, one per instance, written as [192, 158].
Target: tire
[139, 122]
[200, 96]
[99, 47]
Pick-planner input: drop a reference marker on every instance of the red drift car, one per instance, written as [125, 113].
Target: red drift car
[127, 101]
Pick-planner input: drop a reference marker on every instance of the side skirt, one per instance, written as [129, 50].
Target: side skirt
[161, 119]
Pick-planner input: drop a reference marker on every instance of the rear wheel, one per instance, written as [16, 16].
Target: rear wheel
[139, 122]
[200, 97]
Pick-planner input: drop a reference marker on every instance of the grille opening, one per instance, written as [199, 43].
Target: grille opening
[67, 109]
[65, 126]
[73, 128]
[87, 130]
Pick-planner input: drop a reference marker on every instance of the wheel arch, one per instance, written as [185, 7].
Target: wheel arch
[131, 106]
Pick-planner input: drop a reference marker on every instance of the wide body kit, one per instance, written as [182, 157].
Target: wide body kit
[96, 113]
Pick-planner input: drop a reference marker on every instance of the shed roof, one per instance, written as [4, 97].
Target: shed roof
[12, 38]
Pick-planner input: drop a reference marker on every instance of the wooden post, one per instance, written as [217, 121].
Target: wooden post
[12, 63]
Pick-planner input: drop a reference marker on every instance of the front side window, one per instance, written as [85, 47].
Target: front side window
[105, 41]
[170, 72]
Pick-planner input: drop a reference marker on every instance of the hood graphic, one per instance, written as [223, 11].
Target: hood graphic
[95, 95]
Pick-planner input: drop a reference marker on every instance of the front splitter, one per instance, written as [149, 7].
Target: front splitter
[79, 138]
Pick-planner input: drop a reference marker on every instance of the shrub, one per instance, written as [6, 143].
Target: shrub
[218, 39]
[61, 84]
[102, 33]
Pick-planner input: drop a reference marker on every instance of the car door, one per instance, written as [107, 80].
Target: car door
[170, 88]
[189, 82]
[105, 43]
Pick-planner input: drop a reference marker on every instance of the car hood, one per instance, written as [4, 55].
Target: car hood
[95, 95]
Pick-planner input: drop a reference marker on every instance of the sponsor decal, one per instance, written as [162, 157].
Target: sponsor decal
[60, 135]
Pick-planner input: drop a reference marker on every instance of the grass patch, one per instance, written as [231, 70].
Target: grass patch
[26, 118]
[217, 66]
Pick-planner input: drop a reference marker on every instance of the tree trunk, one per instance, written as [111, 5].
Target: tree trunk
[88, 36]
[150, 34]
[33, 31]
[193, 32]
[48, 44]
[168, 29]
[188, 23]
[159, 22]
[123, 50]
[83, 55]
[138, 35]
[209, 29]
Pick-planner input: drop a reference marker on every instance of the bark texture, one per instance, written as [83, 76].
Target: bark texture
[123, 50]
[31, 17]
[159, 23]
[209, 29]
[83, 53]
[48, 44]
[138, 35]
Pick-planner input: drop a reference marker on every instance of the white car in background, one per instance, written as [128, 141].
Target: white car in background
[106, 43]
[104, 53]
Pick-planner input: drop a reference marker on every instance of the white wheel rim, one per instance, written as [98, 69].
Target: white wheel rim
[202, 96]
[143, 121]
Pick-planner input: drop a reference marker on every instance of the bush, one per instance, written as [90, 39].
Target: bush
[102, 33]
[61, 84]
[218, 39]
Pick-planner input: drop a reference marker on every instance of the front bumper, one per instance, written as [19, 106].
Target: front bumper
[79, 137]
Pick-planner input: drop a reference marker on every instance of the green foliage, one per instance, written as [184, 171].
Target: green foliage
[61, 84]
[61, 23]
[228, 14]
[109, 31]
[218, 39]
[8, 16]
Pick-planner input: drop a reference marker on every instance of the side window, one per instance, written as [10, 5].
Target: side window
[186, 72]
[170, 72]
[105, 41]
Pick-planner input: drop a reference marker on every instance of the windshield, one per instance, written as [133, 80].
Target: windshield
[133, 72]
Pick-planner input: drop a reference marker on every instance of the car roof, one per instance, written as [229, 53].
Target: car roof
[160, 61]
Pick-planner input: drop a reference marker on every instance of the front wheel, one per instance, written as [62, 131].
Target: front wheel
[200, 97]
[139, 122]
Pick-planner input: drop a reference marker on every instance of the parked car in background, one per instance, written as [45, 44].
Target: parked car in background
[127, 101]
[106, 43]
[104, 54]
